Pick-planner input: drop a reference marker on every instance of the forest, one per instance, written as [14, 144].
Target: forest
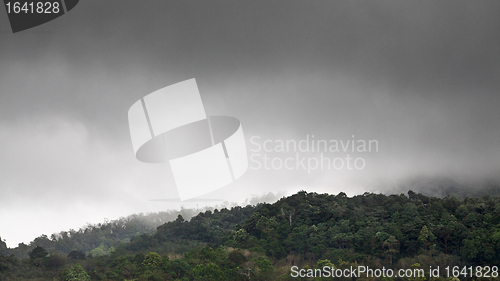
[264, 241]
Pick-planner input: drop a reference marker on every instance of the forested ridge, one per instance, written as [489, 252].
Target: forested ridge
[101, 238]
[262, 242]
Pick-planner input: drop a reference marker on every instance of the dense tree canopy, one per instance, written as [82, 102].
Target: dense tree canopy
[262, 242]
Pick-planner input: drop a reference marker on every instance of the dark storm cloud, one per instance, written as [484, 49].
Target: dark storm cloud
[430, 49]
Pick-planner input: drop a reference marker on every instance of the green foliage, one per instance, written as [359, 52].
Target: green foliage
[102, 250]
[152, 260]
[373, 226]
[207, 272]
[236, 257]
[74, 273]
[6, 263]
[426, 237]
[76, 255]
[38, 253]
[177, 268]
[210, 227]
[100, 237]
[3, 248]
[262, 242]
[55, 261]
[207, 253]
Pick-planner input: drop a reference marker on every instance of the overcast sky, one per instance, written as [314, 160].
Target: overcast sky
[421, 77]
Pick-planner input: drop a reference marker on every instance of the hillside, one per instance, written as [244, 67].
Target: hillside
[99, 239]
[306, 229]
